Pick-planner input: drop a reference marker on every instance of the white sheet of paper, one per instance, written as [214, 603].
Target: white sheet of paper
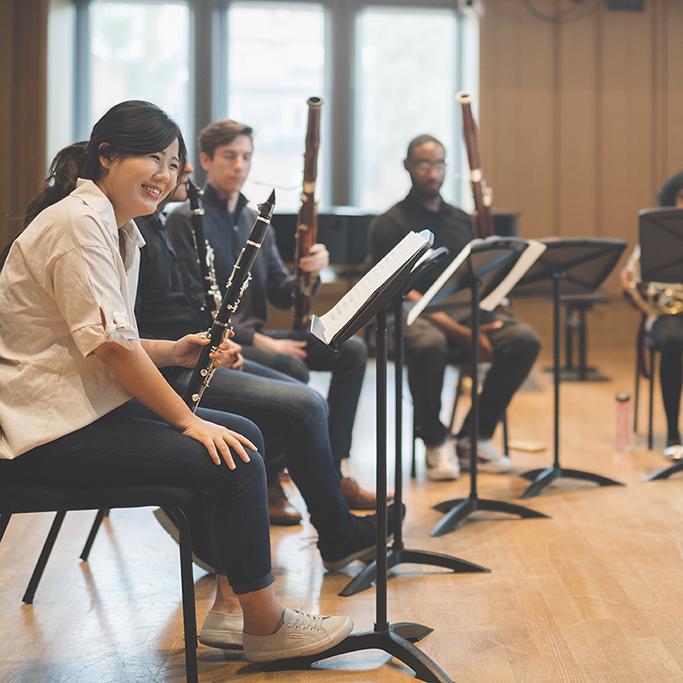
[340, 314]
[438, 284]
[529, 256]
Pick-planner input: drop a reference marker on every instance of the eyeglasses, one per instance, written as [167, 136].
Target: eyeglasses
[424, 166]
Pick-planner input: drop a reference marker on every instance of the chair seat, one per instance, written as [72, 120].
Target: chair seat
[587, 300]
[47, 498]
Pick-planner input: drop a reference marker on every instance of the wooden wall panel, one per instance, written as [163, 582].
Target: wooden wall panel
[23, 86]
[580, 118]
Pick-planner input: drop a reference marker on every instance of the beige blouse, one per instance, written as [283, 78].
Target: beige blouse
[64, 290]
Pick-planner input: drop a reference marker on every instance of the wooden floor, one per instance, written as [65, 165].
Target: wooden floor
[593, 594]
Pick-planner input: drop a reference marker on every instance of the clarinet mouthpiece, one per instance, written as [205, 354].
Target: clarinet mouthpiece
[271, 198]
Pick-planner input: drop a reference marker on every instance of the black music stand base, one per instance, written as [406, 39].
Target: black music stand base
[544, 476]
[390, 641]
[665, 472]
[458, 509]
[400, 555]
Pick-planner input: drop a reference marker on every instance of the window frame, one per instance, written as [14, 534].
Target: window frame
[209, 58]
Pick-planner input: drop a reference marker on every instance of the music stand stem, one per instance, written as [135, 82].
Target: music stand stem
[543, 477]
[458, 509]
[398, 553]
[391, 638]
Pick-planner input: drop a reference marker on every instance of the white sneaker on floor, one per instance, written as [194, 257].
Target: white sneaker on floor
[301, 634]
[442, 465]
[222, 630]
[172, 530]
[674, 452]
[489, 458]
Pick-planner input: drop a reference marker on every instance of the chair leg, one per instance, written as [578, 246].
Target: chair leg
[506, 443]
[636, 391]
[101, 514]
[43, 558]
[651, 400]
[413, 464]
[4, 521]
[187, 583]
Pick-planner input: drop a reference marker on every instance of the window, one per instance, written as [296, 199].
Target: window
[276, 61]
[139, 51]
[406, 76]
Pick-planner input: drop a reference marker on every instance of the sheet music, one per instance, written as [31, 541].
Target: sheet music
[529, 256]
[438, 284]
[339, 315]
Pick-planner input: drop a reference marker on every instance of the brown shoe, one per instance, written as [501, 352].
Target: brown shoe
[280, 511]
[358, 498]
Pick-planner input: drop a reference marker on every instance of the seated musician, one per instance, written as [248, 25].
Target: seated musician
[291, 415]
[226, 151]
[665, 328]
[436, 339]
[81, 399]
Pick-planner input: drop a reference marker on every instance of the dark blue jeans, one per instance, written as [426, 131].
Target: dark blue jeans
[229, 521]
[293, 419]
[348, 369]
[428, 351]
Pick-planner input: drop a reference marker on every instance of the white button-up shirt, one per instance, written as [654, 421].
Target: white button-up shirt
[68, 286]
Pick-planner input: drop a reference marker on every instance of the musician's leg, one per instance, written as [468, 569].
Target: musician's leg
[515, 348]
[667, 332]
[426, 353]
[288, 365]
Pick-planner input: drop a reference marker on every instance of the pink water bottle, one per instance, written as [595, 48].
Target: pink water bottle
[622, 431]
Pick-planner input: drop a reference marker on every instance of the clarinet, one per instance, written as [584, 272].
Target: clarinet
[204, 251]
[480, 190]
[234, 290]
[307, 222]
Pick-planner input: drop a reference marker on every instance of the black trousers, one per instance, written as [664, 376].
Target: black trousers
[428, 351]
[229, 521]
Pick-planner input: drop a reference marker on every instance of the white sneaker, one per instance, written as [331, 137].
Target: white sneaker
[172, 530]
[442, 465]
[674, 452]
[489, 458]
[301, 634]
[222, 630]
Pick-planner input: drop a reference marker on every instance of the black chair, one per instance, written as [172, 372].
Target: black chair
[22, 498]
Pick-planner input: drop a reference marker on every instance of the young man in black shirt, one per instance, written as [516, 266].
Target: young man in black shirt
[226, 151]
[436, 339]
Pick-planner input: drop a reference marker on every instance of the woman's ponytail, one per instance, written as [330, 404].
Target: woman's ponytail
[61, 181]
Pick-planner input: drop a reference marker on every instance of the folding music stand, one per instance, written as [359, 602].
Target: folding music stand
[472, 281]
[398, 553]
[568, 266]
[661, 261]
[358, 307]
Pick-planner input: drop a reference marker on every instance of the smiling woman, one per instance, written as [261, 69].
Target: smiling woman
[82, 401]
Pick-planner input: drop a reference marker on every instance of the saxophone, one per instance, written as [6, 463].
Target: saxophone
[654, 299]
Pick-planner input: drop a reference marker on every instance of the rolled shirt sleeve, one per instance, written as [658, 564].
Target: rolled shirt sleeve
[89, 295]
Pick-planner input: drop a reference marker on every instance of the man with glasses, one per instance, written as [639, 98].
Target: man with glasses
[436, 339]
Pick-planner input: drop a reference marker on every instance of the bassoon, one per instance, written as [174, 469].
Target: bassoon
[481, 192]
[237, 284]
[204, 251]
[307, 221]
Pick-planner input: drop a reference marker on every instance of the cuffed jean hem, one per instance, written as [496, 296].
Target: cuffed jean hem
[255, 585]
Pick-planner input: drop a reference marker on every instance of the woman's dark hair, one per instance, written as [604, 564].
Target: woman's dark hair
[667, 193]
[131, 128]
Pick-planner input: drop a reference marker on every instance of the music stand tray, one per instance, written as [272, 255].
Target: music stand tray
[478, 279]
[568, 266]
[661, 261]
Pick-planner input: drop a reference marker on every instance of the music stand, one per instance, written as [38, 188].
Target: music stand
[661, 261]
[480, 279]
[568, 266]
[398, 553]
[363, 302]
